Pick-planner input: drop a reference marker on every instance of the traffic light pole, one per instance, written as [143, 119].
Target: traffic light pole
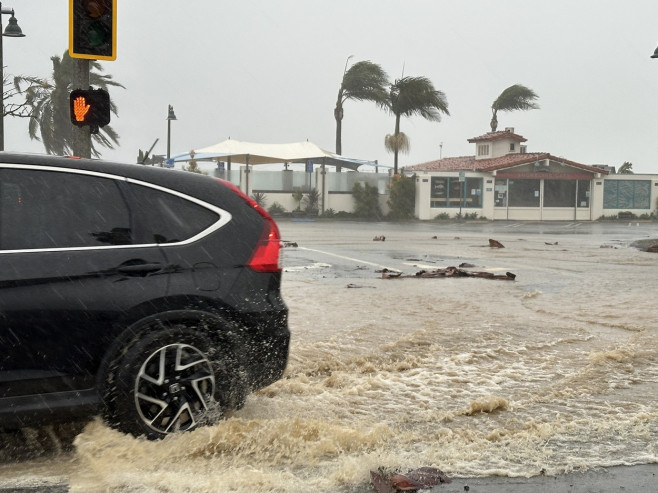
[81, 135]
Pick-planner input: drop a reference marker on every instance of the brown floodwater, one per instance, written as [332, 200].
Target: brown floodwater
[553, 372]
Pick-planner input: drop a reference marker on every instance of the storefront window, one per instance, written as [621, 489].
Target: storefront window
[473, 192]
[500, 193]
[559, 193]
[627, 194]
[583, 193]
[439, 193]
[450, 192]
[523, 193]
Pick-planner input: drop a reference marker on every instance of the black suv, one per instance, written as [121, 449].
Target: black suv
[149, 295]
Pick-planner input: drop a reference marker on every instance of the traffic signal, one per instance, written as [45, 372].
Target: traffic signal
[92, 29]
[90, 107]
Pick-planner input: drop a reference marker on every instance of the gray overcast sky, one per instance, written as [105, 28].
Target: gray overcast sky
[269, 71]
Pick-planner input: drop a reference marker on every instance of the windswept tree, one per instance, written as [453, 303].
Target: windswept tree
[516, 97]
[48, 100]
[626, 168]
[363, 81]
[410, 96]
[10, 94]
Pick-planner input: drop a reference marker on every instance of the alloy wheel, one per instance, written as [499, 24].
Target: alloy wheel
[173, 388]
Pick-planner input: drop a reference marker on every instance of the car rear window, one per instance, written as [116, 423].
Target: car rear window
[161, 217]
[42, 209]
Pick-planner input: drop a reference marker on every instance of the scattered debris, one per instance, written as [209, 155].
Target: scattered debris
[452, 272]
[421, 478]
[358, 286]
[387, 271]
[381, 483]
[653, 248]
[289, 244]
[466, 265]
[607, 246]
[495, 244]
[548, 243]
[435, 237]
[379, 238]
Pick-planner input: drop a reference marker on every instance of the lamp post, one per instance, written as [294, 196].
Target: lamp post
[655, 54]
[171, 116]
[12, 31]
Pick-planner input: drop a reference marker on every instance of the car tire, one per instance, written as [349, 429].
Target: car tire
[164, 381]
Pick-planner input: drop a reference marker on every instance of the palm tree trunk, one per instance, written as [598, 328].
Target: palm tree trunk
[397, 147]
[338, 115]
[494, 121]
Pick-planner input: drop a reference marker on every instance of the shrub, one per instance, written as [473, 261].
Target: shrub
[442, 216]
[259, 198]
[402, 198]
[193, 167]
[312, 201]
[276, 208]
[366, 198]
[297, 196]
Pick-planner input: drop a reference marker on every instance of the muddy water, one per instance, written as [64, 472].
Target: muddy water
[553, 372]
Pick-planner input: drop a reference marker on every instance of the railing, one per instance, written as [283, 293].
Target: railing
[291, 181]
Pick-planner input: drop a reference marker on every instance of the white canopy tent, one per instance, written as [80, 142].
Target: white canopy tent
[251, 153]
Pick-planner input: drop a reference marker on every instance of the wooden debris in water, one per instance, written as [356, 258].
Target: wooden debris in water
[451, 272]
[421, 478]
[495, 244]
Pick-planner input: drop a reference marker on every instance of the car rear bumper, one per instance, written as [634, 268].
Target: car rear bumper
[265, 349]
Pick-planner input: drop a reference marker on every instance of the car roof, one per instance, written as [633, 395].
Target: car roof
[98, 165]
[193, 184]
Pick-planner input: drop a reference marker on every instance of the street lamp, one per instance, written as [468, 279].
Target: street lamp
[171, 116]
[655, 54]
[12, 31]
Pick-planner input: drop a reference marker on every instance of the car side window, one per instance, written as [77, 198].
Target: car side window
[162, 217]
[54, 209]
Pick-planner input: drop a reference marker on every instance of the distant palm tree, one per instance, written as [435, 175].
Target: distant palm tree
[410, 96]
[626, 168]
[48, 100]
[363, 81]
[516, 97]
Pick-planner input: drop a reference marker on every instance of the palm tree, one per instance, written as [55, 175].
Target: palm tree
[48, 100]
[363, 81]
[516, 97]
[9, 93]
[410, 96]
[626, 168]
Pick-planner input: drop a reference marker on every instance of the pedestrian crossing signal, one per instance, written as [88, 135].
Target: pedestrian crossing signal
[90, 107]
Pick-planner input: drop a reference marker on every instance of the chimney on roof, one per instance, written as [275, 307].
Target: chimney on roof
[509, 129]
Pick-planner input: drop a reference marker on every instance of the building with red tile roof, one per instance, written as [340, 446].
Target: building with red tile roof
[504, 181]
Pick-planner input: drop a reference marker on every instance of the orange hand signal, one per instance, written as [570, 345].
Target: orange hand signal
[80, 108]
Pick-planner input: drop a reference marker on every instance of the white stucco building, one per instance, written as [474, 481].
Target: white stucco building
[502, 181]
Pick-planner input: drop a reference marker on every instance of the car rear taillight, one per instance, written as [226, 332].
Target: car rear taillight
[266, 255]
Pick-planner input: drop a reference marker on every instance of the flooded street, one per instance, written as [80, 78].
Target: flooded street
[553, 372]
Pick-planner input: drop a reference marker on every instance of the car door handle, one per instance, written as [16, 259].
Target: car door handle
[140, 269]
